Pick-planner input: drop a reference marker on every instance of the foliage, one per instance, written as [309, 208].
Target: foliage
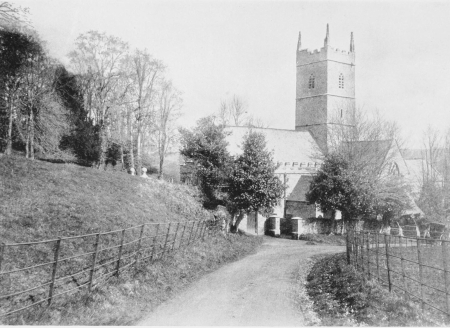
[207, 148]
[342, 296]
[82, 136]
[17, 49]
[340, 185]
[253, 185]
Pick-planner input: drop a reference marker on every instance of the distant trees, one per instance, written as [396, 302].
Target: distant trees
[127, 97]
[234, 112]
[97, 62]
[434, 193]
[31, 114]
[113, 105]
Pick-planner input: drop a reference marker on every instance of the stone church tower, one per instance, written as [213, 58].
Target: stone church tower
[325, 89]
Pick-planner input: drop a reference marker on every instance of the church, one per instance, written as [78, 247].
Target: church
[325, 96]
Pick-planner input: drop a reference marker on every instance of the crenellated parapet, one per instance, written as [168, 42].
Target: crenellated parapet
[306, 56]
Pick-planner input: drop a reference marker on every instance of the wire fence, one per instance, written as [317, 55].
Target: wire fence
[413, 267]
[35, 273]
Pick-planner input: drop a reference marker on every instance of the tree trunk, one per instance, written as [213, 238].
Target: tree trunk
[103, 147]
[162, 150]
[132, 164]
[31, 135]
[161, 166]
[234, 227]
[256, 222]
[139, 153]
[8, 149]
[27, 139]
[121, 156]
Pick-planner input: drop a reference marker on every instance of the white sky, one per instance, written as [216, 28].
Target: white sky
[215, 49]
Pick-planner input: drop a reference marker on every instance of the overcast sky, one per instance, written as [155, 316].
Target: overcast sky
[215, 49]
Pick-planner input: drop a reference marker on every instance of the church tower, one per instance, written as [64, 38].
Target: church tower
[325, 89]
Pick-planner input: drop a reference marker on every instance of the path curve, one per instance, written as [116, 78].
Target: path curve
[255, 290]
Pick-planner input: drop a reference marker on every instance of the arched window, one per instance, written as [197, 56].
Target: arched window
[341, 81]
[311, 82]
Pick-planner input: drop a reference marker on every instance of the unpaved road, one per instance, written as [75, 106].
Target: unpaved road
[256, 290]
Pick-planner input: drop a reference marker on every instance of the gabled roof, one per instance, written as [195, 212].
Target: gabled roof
[286, 145]
[298, 194]
[373, 152]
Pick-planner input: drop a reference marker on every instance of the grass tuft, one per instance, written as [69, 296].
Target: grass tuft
[342, 297]
[127, 299]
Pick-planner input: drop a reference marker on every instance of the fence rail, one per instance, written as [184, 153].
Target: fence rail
[414, 267]
[35, 273]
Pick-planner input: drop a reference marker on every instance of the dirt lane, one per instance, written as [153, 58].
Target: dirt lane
[256, 290]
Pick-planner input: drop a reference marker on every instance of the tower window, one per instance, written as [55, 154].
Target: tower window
[311, 82]
[341, 81]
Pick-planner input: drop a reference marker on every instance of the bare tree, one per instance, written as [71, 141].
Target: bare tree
[35, 95]
[97, 59]
[145, 73]
[232, 111]
[167, 111]
[12, 16]
[223, 114]
[364, 139]
[256, 122]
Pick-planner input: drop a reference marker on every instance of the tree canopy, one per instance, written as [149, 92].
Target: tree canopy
[253, 185]
[341, 185]
[206, 146]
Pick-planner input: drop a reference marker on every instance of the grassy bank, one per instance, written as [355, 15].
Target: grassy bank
[127, 299]
[342, 297]
[41, 200]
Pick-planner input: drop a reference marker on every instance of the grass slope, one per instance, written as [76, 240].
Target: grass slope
[40, 200]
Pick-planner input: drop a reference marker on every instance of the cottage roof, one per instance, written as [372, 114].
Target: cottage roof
[298, 194]
[286, 145]
[373, 152]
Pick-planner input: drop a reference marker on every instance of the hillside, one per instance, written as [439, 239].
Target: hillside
[40, 200]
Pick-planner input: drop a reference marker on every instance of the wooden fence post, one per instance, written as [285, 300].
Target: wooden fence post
[55, 267]
[182, 234]
[368, 254]
[402, 261]
[138, 248]
[190, 235]
[445, 263]
[155, 238]
[348, 248]
[356, 239]
[120, 252]
[165, 242]
[196, 231]
[2, 254]
[377, 255]
[362, 250]
[205, 228]
[175, 238]
[386, 246]
[94, 261]
[419, 257]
